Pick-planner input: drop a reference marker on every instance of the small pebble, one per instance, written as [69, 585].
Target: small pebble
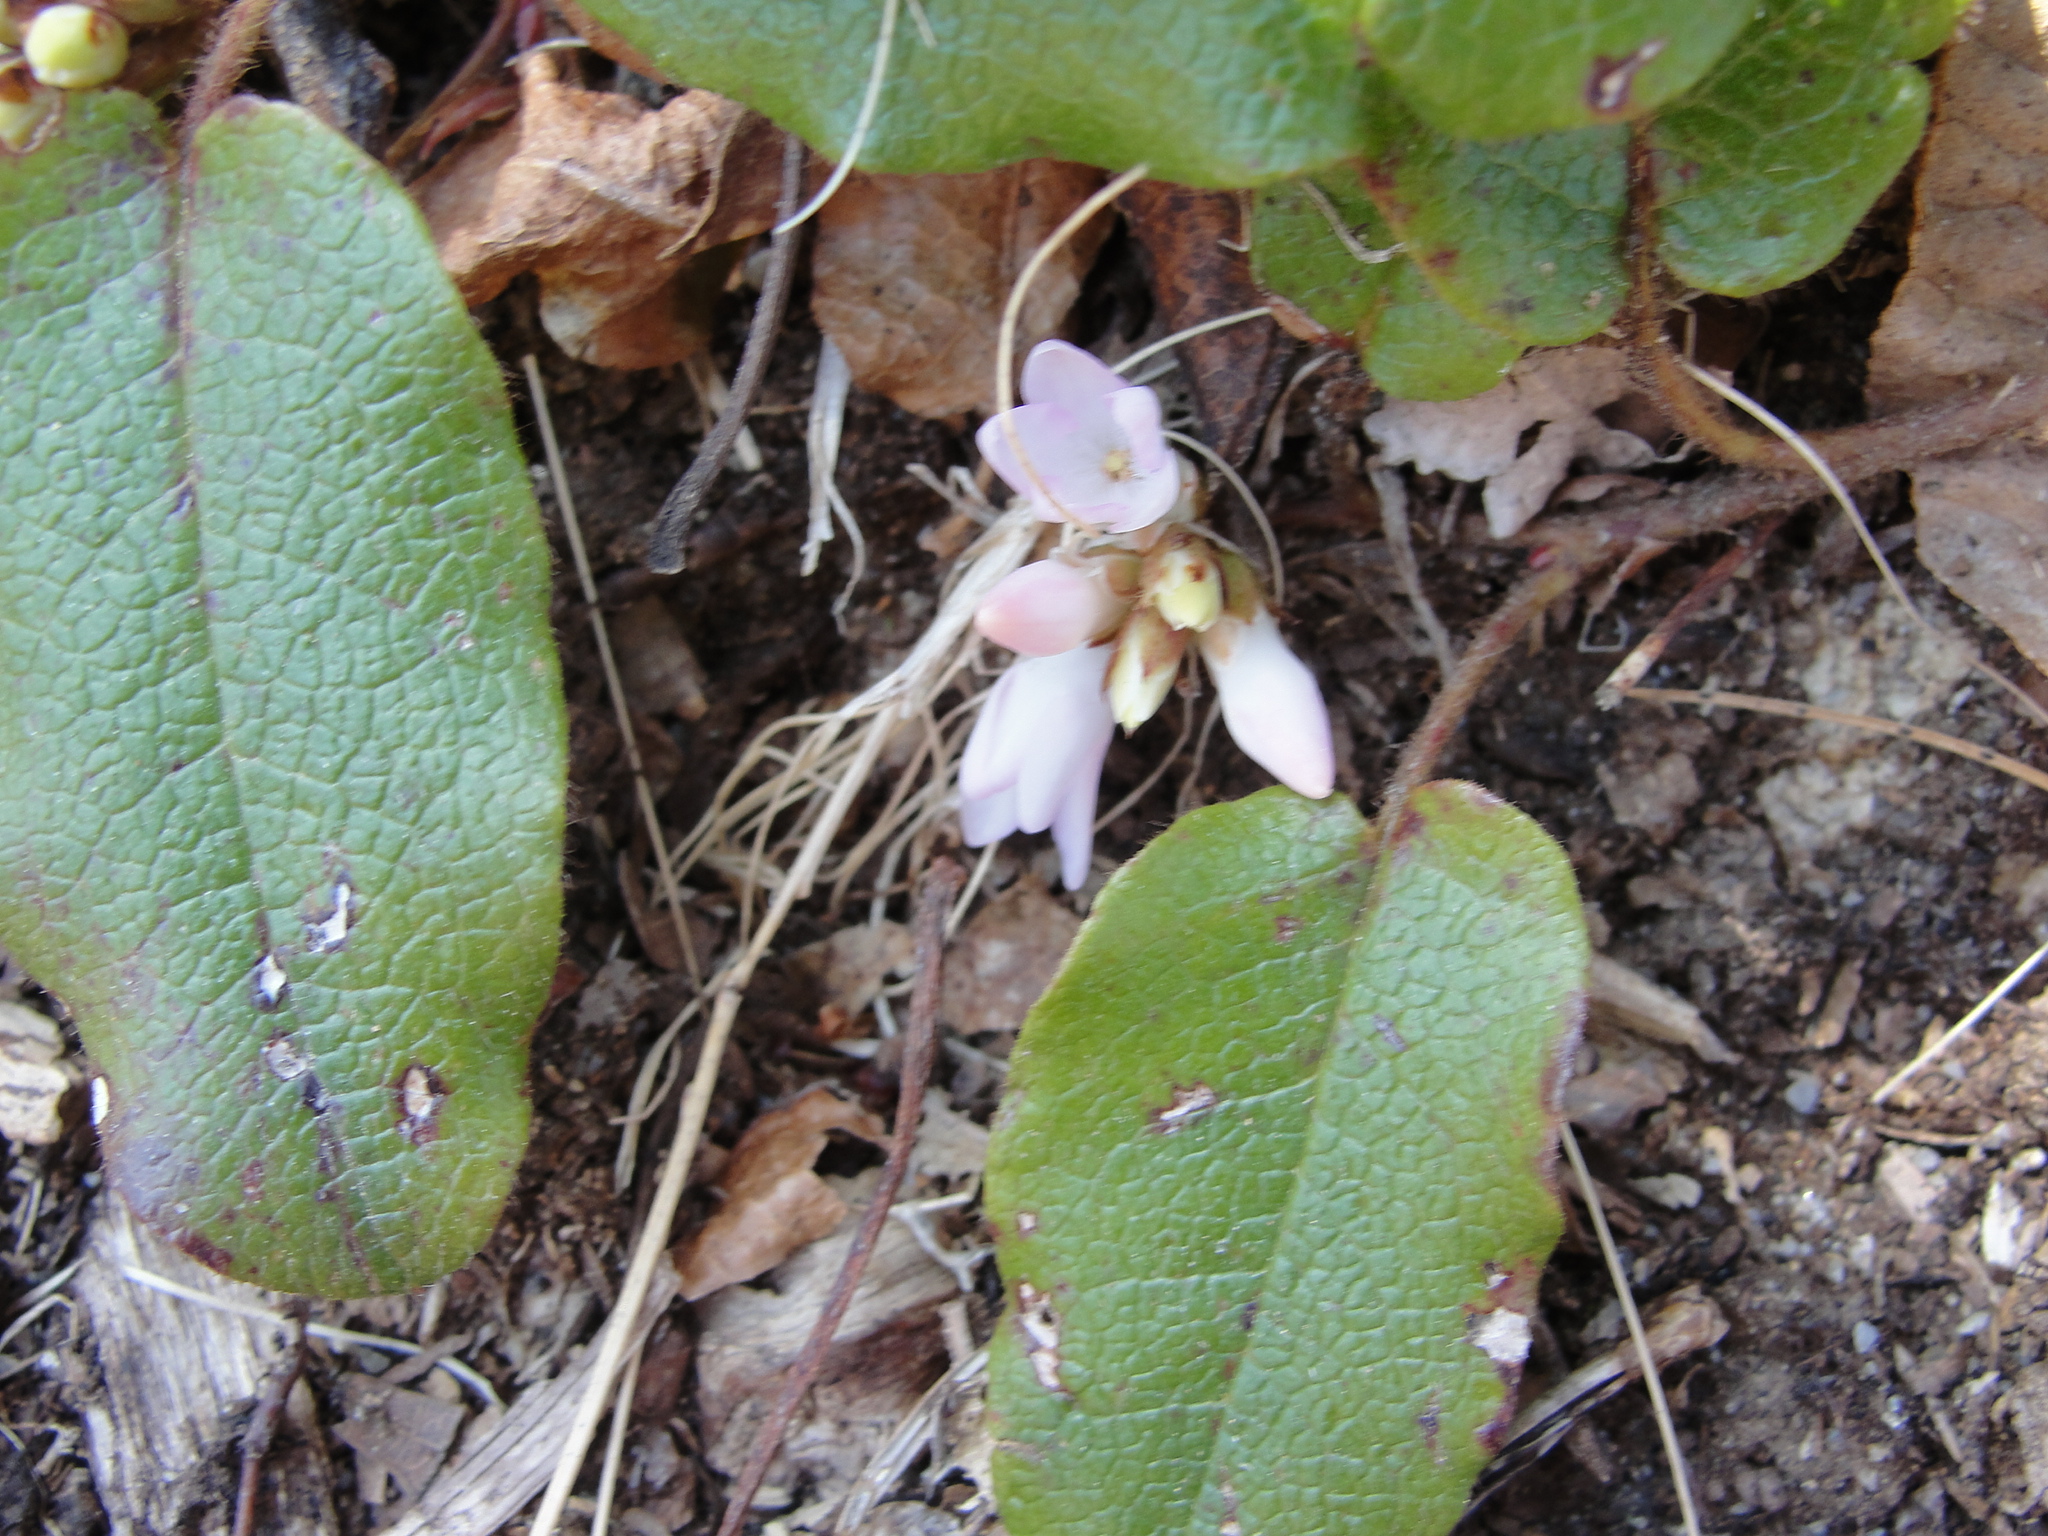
[1802, 1092]
[1864, 1336]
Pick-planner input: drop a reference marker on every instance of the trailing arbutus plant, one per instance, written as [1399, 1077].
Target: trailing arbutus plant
[1274, 1181]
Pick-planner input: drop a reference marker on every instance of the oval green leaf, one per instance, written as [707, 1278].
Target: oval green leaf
[1413, 344]
[1572, 64]
[1214, 93]
[1521, 237]
[1273, 1183]
[285, 752]
[1764, 171]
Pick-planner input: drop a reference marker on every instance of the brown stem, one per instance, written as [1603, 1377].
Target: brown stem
[1692, 410]
[935, 895]
[1530, 596]
[223, 64]
[484, 60]
[672, 524]
[263, 1425]
[1719, 502]
[1639, 661]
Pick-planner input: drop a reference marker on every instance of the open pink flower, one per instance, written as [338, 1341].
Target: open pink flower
[1035, 755]
[1271, 703]
[1094, 443]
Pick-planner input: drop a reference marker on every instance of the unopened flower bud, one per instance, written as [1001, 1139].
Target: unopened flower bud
[1185, 585]
[1050, 606]
[24, 107]
[75, 47]
[10, 30]
[1147, 659]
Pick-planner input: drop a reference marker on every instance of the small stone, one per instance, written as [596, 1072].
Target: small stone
[1865, 1337]
[1802, 1092]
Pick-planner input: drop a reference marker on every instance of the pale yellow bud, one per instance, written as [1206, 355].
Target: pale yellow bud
[1186, 586]
[75, 47]
[24, 107]
[1141, 674]
[10, 30]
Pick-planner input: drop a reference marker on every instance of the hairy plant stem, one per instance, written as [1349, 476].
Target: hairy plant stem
[679, 512]
[1530, 596]
[222, 66]
[935, 893]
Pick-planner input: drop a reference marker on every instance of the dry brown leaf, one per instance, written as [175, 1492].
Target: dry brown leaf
[848, 969]
[1972, 311]
[885, 1352]
[616, 209]
[1193, 247]
[396, 1434]
[774, 1203]
[1005, 958]
[911, 273]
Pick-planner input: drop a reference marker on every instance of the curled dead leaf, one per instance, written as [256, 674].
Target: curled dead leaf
[1972, 311]
[774, 1203]
[1193, 247]
[617, 209]
[911, 273]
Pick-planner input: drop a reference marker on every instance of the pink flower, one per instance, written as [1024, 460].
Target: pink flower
[1035, 755]
[1050, 606]
[1271, 703]
[1094, 444]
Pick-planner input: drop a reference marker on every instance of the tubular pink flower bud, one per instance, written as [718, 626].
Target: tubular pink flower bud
[1035, 755]
[1050, 606]
[1271, 703]
[1095, 445]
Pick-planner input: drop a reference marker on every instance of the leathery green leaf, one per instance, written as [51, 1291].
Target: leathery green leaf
[1573, 64]
[1764, 170]
[1273, 1183]
[1413, 344]
[1220, 93]
[1521, 237]
[285, 749]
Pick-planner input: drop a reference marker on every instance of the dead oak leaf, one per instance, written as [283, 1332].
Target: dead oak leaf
[1972, 311]
[911, 273]
[774, 1203]
[606, 202]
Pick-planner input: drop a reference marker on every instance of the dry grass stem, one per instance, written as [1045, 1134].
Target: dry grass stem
[1715, 698]
[1154, 348]
[1961, 1027]
[1840, 492]
[1681, 1481]
[871, 98]
[572, 527]
[1276, 569]
[1393, 495]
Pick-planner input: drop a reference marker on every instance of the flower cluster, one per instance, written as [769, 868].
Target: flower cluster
[1101, 627]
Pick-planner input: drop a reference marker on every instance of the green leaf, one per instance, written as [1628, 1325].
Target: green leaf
[1221, 93]
[273, 598]
[1521, 237]
[1484, 69]
[1415, 346]
[1765, 169]
[1273, 1181]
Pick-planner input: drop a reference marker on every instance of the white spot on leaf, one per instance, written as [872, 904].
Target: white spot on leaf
[1503, 1334]
[267, 985]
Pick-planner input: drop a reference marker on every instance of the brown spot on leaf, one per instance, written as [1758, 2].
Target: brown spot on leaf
[1285, 927]
[211, 1254]
[1611, 80]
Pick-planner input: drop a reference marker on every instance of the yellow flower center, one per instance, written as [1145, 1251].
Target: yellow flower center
[1117, 464]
